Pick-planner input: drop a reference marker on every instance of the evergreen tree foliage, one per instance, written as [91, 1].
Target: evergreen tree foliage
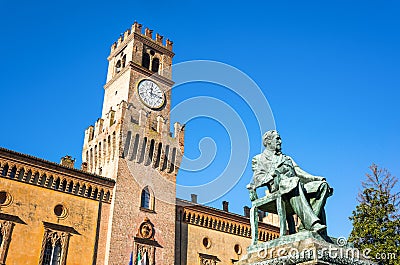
[376, 223]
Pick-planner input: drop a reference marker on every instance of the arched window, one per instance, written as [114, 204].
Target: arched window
[28, 176]
[95, 158]
[71, 186]
[36, 178]
[165, 163]
[95, 194]
[89, 193]
[109, 148]
[151, 152]
[13, 172]
[43, 180]
[158, 157]
[147, 200]
[105, 150]
[50, 182]
[172, 166]
[143, 150]
[100, 152]
[64, 185]
[123, 61]
[5, 170]
[77, 187]
[146, 60]
[21, 174]
[135, 147]
[155, 65]
[127, 144]
[57, 254]
[113, 145]
[118, 67]
[57, 184]
[52, 253]
[47, 253]
[90, 159]
[83, 190]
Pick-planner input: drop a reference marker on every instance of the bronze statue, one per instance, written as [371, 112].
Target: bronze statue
[300, 192]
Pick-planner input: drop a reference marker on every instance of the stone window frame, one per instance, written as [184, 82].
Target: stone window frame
[206, 259]
[6, 229]
[147, 200]
[151, 56]
[53, 234]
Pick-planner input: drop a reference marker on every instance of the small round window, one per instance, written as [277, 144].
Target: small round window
[5, 198]
[60, 211]
[206, 242]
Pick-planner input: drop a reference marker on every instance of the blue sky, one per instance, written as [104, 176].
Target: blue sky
[329, 69]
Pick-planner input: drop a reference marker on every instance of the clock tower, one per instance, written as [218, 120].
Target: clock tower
[132, 144]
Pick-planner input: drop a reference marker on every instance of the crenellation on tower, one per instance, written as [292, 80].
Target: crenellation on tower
[89, 134]
[100, 142]
[98, 126]
[137, 29]
[127, 33]
[148, 33]
[168, 44]
[159, 39]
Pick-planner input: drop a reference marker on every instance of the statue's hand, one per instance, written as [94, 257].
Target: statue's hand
[272, 187]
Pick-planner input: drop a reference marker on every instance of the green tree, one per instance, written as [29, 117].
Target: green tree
[376, 223]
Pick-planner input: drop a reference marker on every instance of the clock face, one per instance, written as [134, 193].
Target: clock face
[151, 94]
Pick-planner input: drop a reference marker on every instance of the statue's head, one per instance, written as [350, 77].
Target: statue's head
[272, 141]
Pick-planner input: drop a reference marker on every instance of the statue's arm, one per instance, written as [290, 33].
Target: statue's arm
[261, 178]
[252, 186]
[306, 177]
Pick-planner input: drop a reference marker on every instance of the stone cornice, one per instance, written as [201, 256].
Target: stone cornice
[112, 80]
[142, 70]
[215, 219]
[30, 170]
[54, 167]
[148, 73]
[214, 212]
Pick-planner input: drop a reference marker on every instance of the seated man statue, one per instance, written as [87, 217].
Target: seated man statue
[304, 194]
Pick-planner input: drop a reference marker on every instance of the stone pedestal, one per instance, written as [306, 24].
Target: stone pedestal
[302, 248]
